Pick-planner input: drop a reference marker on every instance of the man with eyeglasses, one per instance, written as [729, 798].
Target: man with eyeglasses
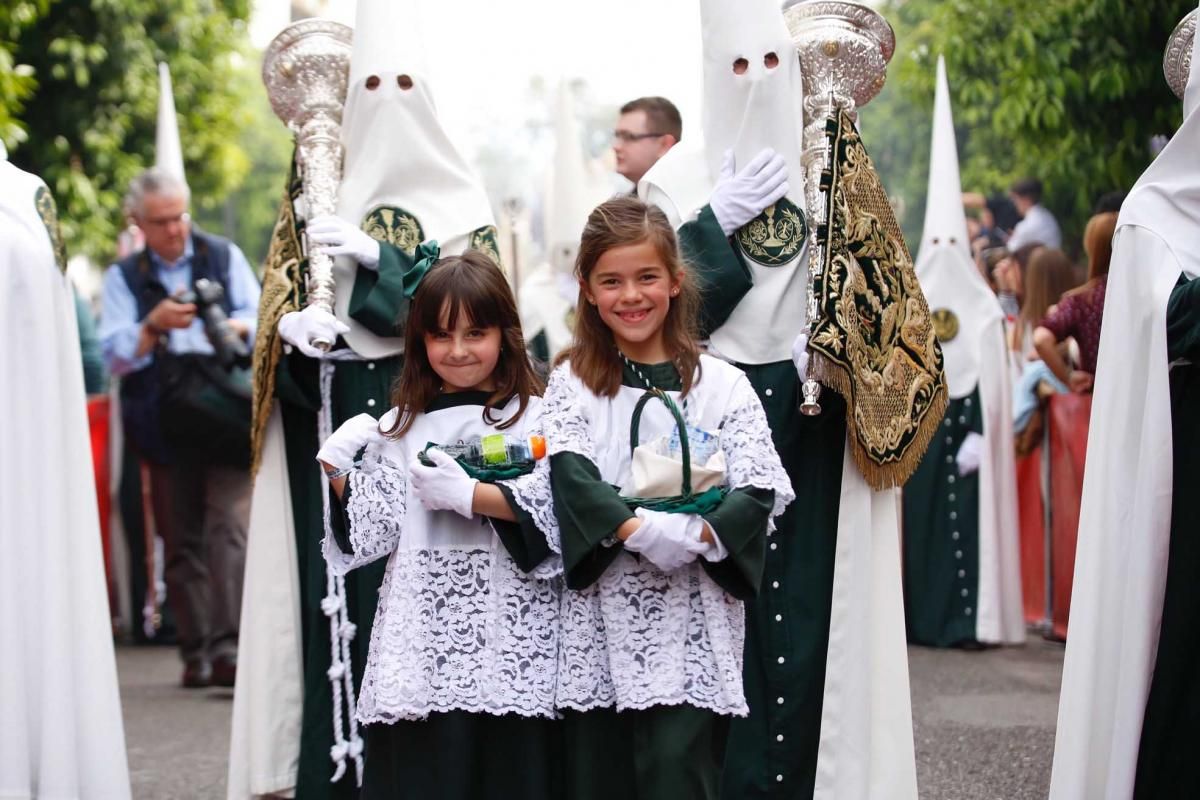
[647, 128]
[201, 509]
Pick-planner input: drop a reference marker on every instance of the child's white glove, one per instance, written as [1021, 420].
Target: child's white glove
[800, 355]
[444, 486]
[353, 435]
[337, 237]
[741, 196]
[669, 541]
[301, 328]
[970, 453]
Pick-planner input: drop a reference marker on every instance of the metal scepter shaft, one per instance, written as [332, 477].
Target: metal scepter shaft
[305, 70]
[844, 48]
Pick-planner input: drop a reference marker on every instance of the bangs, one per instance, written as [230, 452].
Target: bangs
[458, 288]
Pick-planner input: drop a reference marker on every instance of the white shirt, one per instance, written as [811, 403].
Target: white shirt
[1038, 227]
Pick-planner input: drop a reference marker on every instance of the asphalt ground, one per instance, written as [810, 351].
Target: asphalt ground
[983, 723]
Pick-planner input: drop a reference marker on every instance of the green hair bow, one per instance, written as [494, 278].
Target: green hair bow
[426, 255]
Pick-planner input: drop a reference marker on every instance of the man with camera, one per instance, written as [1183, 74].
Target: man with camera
[177, 324]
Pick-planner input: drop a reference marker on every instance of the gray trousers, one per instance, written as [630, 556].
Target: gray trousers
[205, 544]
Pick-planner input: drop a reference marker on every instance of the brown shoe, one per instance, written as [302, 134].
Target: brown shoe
[196, 675]
[224, 671]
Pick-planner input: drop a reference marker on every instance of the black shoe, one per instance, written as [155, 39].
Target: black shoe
[196, 675]
[224, 671]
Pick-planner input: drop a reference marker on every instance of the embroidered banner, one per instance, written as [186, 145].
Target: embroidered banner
[282, 291]
[874, 340]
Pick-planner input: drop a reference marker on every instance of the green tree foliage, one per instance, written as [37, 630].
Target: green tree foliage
[1069, 91]
[82, 108]
[247, 214]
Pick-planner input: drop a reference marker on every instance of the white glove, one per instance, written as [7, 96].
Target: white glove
[301, 328]
[970, 452]
[444, 486]
[739, 198]
[800, 355]
[354, 434]
[669, 541]
[337, 237]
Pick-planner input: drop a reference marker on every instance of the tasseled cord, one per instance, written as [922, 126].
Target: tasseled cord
[341, 629]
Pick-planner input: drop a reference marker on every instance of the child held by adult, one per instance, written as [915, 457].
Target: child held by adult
[652, 624]
[458, 694]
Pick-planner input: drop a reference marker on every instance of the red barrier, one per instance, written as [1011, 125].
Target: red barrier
[1032, 518]
[1067, 418]
[98, 415]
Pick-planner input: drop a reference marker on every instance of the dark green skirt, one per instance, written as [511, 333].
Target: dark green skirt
[941, 536]
[462, 756]
[661, 753]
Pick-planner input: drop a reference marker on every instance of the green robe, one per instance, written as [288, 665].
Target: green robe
[1167, 765]
[941, 535]
[773, 752]
[663, 752]
[358, 387]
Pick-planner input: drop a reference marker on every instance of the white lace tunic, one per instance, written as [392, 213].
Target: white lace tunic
[459, 626]
[639, 637]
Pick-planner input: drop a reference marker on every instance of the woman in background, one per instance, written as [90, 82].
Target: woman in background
[1080, 313]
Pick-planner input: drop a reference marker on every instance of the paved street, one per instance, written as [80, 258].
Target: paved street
[984, 724]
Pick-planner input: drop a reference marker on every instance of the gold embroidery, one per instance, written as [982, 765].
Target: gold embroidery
[394, 226]
[945, 324]
[873, 341]
[484, 240]
[775, 236]
[43, 201]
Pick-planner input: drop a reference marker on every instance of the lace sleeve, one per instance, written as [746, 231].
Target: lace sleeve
[533, 494]
[750, 457]
[564, 415]
[374, 513]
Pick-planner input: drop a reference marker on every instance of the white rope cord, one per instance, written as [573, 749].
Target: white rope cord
[341, 629]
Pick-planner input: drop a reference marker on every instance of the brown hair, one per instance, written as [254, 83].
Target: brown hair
[1097, 243]
[593, 354]
[661, 115]
[1049, 276]
[469, 284]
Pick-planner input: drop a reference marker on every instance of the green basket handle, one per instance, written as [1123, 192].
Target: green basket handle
[635, 425]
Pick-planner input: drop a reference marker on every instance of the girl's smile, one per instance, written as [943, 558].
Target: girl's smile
[632, 288]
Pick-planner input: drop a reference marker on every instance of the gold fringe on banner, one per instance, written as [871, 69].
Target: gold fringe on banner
[873, 342]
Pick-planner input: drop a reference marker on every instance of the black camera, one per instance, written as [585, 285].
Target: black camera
[230, 349]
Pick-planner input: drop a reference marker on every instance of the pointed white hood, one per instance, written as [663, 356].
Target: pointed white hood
[573, 190]
[753, 99]
[397, 155]
[1166, 199]
[168, 151]
[763, 106]
[963, 306]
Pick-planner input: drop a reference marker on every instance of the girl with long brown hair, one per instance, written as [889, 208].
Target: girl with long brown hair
[1080, 313]
[652, 627]
[458, 694]
[1048, 276]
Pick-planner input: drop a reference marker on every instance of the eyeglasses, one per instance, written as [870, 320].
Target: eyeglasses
[625, 137]
[162, 222]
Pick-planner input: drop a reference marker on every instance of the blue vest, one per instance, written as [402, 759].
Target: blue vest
[139, 390]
